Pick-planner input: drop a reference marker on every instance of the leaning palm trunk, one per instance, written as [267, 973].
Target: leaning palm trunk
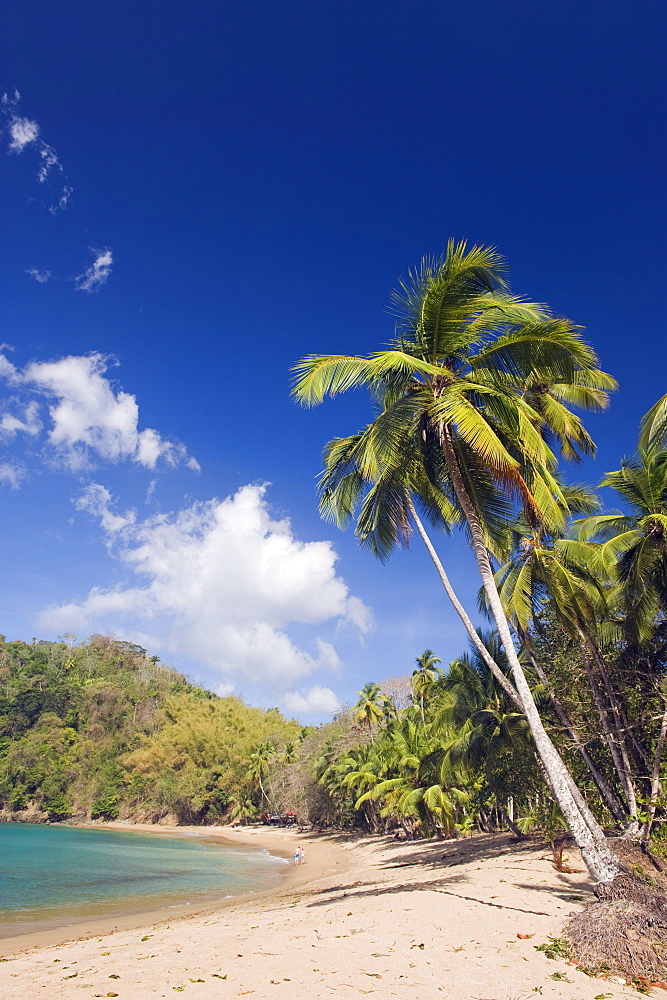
[606, 792]
[461, 612]
[608, 796]
[585, 829]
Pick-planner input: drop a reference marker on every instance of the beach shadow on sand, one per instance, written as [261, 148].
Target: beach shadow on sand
[441, 856]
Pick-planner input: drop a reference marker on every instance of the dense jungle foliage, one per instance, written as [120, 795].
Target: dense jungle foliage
[101, 730]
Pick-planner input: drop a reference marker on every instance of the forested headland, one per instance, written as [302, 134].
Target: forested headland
[101, 730]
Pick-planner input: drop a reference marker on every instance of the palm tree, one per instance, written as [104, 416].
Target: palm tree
[653, 430]
[561, 568]
[454, 390]
[633, 548]
[243, 808]
[410, 780]
[425, 676]
[634, 545]
[481, 717]
[259, 765]
[370, 707]
[387, 512]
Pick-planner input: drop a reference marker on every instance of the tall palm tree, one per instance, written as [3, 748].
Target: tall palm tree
[453, 387]
[370, 707]
[425, 676]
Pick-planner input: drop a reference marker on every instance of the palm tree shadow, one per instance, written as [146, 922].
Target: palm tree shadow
[363, 890]
[474, 850]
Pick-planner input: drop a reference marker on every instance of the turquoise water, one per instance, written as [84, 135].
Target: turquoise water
[56, 875]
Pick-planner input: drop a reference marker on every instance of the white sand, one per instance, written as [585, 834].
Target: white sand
[362, 916]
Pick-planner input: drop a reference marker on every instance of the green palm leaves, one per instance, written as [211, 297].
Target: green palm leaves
[474, 397]
[633, 546]
[494, 373]
[371, 705]
[425, 676]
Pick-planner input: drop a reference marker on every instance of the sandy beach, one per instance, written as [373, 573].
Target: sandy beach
[459, 919]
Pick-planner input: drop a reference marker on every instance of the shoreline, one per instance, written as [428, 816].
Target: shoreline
[433, 919]
[93, 925]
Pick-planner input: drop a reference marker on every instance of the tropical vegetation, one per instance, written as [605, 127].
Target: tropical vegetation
[476, 398]
[101, 730]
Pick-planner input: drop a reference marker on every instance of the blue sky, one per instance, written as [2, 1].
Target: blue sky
[228, 186]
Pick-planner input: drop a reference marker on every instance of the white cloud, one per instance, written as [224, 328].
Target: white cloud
[49, 159]
[22, 133]
[91, 419]
[12, 474]
[222, 582]
[223, 690]
[7, 370]
[62, 202]
[41, 276]
[96, 500]
[359, 615]
[10, 424]
[97, 274]
[317, 701]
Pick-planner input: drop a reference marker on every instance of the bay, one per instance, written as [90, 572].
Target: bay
[54, 876]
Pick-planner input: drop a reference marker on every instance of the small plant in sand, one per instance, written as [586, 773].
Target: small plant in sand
[546, 816]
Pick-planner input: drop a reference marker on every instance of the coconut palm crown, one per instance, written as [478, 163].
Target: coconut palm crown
[472, 370]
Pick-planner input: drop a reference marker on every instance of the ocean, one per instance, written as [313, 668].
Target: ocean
[52, 876]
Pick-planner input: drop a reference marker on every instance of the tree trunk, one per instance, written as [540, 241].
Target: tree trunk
[616, 743]
[587, 833]
[655, 779]
[623, 725]
[461, 612]
[508, 821]
[606, 791]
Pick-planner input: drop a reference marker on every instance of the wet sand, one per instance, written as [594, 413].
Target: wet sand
[363, 915]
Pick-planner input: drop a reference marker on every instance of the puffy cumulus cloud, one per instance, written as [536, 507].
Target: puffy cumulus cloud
[91, 419]
[222, 581]
[97, 274]
[22, 132]
[317, 701]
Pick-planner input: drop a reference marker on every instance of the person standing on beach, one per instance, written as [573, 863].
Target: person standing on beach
[297, 855]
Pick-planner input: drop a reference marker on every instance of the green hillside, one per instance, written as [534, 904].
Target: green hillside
[103, 731]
